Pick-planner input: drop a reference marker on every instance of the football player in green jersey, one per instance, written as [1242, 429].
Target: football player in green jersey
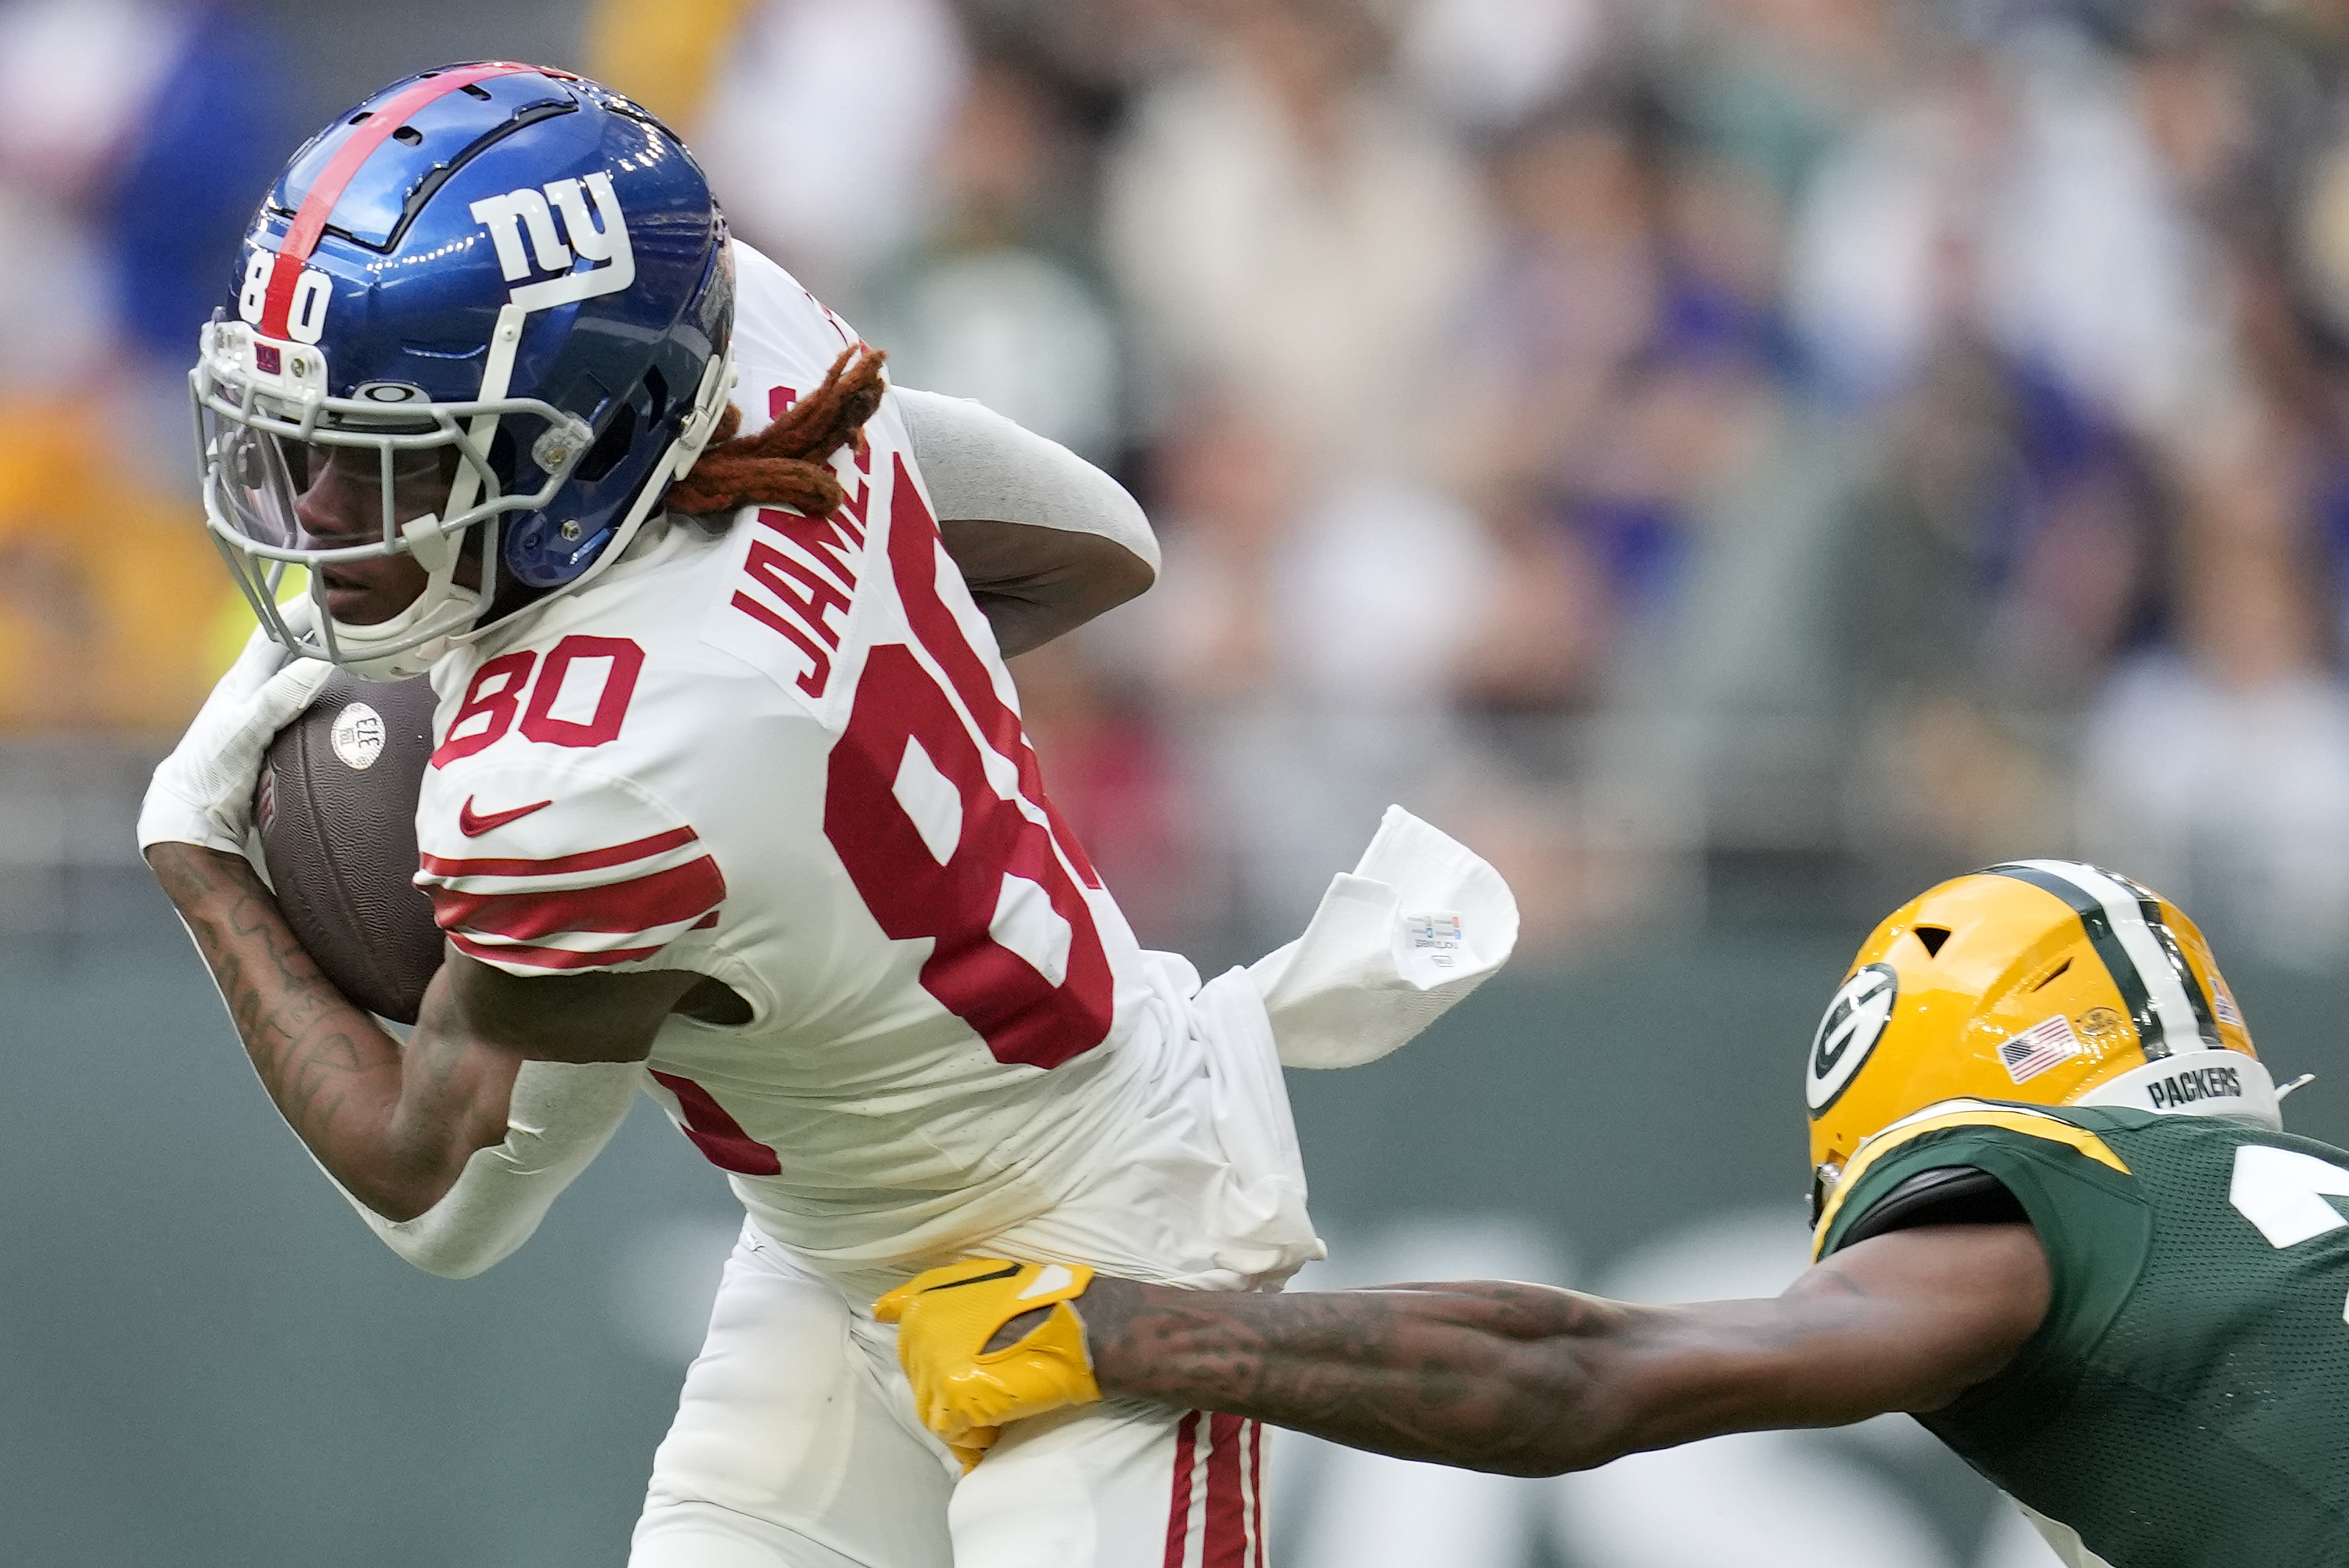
[2058, 1222]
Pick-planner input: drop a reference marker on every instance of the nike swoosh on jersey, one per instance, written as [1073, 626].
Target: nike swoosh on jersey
[473, 827]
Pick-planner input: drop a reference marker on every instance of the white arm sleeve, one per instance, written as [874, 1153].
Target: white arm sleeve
[563, 1115]
[978, 465]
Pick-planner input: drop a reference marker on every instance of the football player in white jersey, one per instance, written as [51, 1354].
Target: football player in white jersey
[730, 805]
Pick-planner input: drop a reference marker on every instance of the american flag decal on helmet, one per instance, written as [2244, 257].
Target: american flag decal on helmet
[2124, 925]
[2039, 1047]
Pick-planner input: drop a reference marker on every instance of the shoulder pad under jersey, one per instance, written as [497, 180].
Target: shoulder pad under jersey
[2047, 1125]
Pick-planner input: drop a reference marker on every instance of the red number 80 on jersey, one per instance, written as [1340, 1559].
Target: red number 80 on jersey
[933, 847]
[936, 850]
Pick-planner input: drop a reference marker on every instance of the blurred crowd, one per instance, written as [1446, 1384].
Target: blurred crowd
[1645, 436]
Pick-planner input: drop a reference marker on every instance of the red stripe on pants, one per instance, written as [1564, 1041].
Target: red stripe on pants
[1227, 1545]
[1178, 1505]
[1256, 1488]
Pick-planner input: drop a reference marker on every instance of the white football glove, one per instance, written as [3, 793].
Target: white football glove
[202, 792]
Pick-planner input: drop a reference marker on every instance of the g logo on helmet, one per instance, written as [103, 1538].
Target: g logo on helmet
[1854, 1023]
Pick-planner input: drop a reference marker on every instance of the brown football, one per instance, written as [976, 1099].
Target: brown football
[337, 806]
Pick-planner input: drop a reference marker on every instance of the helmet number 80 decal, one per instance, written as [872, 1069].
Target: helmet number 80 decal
[305, 314]
[1854, 1023]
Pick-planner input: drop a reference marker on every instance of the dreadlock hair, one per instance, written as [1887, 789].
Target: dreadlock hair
[789, 462]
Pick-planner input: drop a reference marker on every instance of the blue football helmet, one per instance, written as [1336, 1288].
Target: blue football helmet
[502, 271]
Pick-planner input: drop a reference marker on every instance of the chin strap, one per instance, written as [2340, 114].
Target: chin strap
[718, 378]
[710, 404]
[443, 604]
[497, 374]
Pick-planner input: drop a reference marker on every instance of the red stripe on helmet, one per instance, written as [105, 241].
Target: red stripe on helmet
[318, 205]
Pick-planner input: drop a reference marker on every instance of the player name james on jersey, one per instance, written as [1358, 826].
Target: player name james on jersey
[802, 572]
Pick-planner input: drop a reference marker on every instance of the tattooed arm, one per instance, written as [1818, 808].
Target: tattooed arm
[394, 1124]
[1531, 1381]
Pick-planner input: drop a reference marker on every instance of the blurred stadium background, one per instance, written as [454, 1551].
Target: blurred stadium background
[1732, 461]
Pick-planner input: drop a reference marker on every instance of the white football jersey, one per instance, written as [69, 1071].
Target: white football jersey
[789, 756]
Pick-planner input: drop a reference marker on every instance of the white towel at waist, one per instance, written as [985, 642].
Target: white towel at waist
[1418, 924]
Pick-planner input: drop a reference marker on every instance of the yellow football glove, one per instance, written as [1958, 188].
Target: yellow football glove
[965, 1392]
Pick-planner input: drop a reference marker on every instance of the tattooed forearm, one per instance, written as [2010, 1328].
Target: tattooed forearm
[392, 1125]
[302, 1036]
[1530, 1380]
[1492, 1376]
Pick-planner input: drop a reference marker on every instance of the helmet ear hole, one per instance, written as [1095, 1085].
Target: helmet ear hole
[612, 445]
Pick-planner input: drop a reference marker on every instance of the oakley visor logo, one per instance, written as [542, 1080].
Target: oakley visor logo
[1855, 1022]
[600, 236]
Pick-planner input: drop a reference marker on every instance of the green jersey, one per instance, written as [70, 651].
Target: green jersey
[2186, 1403]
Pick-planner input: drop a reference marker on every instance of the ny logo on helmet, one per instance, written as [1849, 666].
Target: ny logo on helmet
[1854, 1023]
[604, 237]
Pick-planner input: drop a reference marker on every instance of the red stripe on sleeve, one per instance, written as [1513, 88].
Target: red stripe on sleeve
[664, 898]
[1227, 1527]
[1178, 1503]
[318, 202]
[545, 957]
[585, 861]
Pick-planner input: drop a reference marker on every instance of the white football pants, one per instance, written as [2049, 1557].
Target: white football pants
[795, 1446]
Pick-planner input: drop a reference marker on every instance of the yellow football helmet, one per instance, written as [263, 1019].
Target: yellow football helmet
[2050, 982]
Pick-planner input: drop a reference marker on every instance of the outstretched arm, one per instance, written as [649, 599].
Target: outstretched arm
[1524, 1380]
[1532, 1380]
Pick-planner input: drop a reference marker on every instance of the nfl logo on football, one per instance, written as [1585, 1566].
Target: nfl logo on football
[358, 737]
